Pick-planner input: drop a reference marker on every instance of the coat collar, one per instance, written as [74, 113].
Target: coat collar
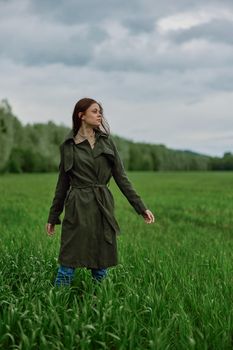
[70, 135]
[68, 148]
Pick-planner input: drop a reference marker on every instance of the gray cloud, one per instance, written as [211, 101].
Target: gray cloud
[126, 44]
[94, 11]
[217, 31]
[91, 11]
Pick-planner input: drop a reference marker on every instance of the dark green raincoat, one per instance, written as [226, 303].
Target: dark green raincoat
[89, 227]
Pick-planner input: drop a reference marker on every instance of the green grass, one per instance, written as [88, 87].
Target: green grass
[172, 289]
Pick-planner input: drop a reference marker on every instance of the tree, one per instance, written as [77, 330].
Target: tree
[6, 133]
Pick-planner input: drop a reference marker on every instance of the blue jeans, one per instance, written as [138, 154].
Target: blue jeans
[65, 275]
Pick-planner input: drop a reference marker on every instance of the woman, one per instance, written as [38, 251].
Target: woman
[89, 158]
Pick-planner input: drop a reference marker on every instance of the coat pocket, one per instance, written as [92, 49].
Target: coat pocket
[67, 196]
[70, 208]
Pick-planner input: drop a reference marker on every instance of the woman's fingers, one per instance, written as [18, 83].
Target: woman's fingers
[152, 217]
[50, 229]
[148, 216]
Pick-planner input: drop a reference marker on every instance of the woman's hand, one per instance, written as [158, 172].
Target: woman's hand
[148, 216]
[50, 229]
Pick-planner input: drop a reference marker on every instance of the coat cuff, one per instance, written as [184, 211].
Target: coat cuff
[140, 207]
[54, 220]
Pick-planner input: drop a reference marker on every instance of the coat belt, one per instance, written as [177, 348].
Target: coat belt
[109, 222]
[89, 185]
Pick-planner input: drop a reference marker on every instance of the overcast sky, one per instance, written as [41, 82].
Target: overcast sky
[163, 71]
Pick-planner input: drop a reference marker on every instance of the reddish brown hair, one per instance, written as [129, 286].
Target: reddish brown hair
[81, 106]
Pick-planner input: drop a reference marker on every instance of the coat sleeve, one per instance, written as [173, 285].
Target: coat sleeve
[122, 181]
[63, 184]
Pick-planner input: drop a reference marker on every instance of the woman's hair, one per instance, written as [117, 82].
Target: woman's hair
[81, 106]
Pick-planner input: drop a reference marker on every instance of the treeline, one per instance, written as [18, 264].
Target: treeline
[224, 163]
[30, 148]
[35, 148]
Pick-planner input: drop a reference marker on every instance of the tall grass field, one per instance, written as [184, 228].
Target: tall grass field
[172, 288]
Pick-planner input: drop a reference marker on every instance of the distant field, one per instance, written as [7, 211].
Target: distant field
[173, 287]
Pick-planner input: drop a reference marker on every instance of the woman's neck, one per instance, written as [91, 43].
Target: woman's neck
[85, 130]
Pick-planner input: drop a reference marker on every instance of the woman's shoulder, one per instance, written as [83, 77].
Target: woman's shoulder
[67, 139]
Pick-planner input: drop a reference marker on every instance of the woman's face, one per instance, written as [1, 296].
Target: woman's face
[92, 117]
